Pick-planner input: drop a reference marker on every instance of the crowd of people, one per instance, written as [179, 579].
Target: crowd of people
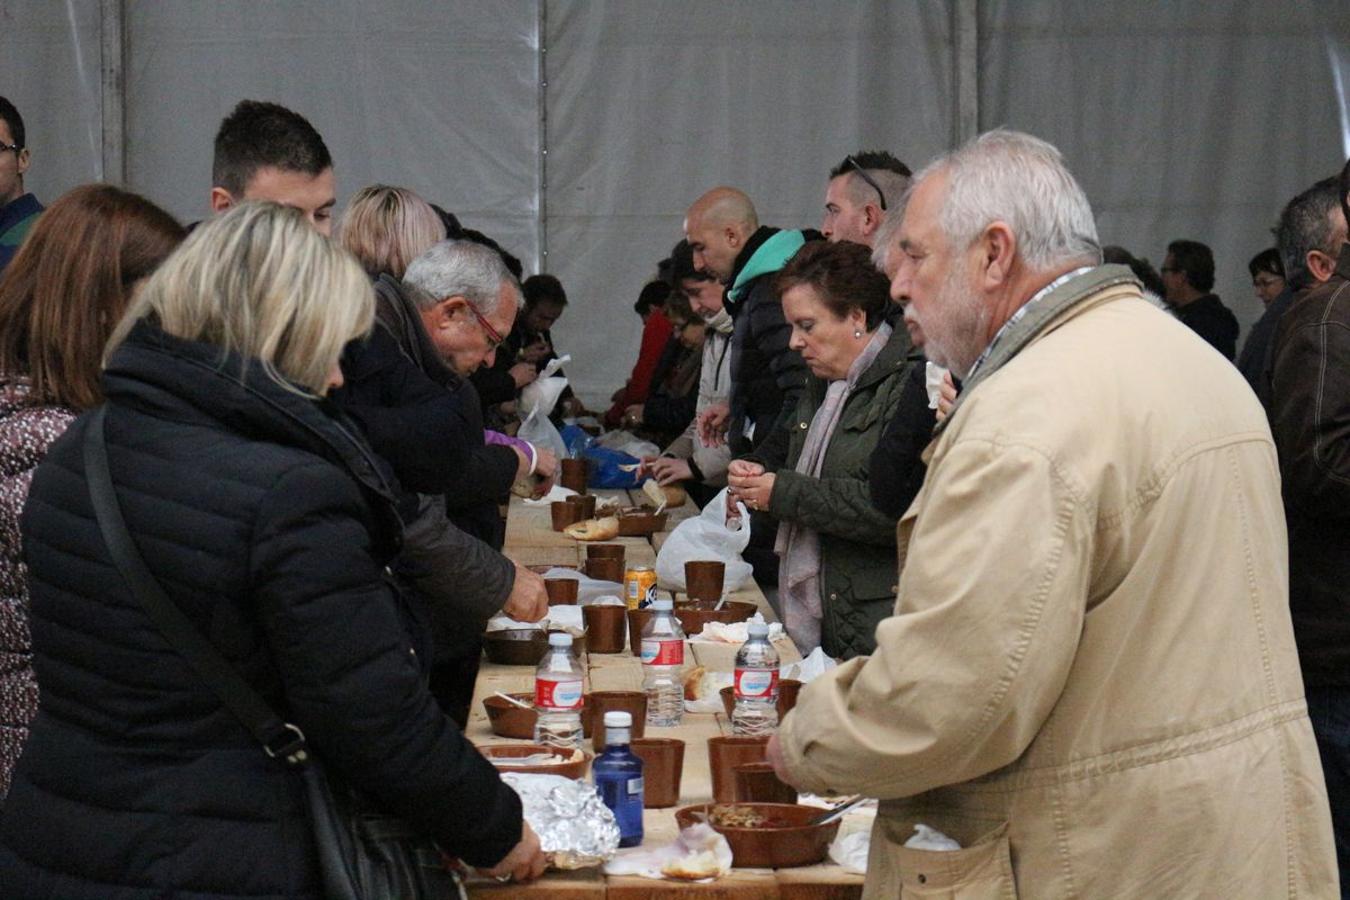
[1092, 626]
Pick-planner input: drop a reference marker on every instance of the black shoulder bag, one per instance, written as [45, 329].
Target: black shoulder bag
[363, 854]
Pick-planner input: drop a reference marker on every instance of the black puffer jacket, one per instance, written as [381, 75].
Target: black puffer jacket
[268, 523]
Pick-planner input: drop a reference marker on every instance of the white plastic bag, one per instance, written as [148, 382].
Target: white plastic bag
[542, 394]
[706, 536]
[538, 430]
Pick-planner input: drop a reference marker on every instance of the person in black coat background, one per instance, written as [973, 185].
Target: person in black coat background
[268, 521]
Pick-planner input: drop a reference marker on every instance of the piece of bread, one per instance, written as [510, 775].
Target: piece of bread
[672, 495]
[606, 529]
[693, 683]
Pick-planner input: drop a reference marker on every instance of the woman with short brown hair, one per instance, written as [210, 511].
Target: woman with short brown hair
[59, 300]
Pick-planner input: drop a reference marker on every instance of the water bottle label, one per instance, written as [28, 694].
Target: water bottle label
[635, 787]
[662, 653]
[557, 694]
[755, 683]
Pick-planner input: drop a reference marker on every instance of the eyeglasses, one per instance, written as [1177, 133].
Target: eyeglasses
[881, 195]
[7, 147]
[494, 339]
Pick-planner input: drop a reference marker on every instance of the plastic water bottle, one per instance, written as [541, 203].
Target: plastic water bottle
[662, 660]
[557, 695]
[618, 777]
[756, 710]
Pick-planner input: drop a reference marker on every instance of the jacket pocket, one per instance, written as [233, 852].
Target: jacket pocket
[981, 871]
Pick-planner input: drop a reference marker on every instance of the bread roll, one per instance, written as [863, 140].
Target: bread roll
[605, 529]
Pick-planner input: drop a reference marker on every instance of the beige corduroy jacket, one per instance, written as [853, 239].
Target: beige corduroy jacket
[1090, 679]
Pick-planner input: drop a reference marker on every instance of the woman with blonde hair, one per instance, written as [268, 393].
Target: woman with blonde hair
[59, 299]
[386, 228]
[265, 521]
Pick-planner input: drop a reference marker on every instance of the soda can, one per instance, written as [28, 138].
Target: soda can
[639, 586]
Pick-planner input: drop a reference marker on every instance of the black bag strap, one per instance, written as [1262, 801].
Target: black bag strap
[279, 739]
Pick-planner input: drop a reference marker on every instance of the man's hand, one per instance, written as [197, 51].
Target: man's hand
[946, 396]
[525, 862]
[545, 469]
[536, 352]
[528, 601]
[667, 470]
[712, 424]
[572, 406]
[632, 416]
[522, 373]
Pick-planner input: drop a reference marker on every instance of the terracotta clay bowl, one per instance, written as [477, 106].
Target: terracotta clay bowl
[510, 721]
[516, 646]
[500, 755]
[783, 842]
[694, 614]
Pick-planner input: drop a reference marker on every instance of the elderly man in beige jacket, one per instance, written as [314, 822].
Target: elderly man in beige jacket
[1089, 680]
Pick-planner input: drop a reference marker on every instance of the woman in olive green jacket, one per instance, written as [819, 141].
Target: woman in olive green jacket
[837, 573]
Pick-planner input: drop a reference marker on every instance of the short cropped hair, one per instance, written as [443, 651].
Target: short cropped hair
[386, 228]
[258, 135]
[466, 269]
[69, 284]
[1021, 180]
[259, 282]
[543, 289]
[1268, 260]
[1194, 260]
[15, 122]
[842, 274]
[653, 294]
[682, 266]
[890, 174]
[1307, 223]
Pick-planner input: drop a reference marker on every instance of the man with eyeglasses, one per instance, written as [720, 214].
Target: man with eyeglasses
[1188, 281]
[862, 191]
[18, 209]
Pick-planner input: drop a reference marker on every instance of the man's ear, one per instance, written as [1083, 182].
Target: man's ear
[446, 310]
[998, 249]
[733, 237]
[872, 218]
[1321, 266]
[25, 159]
[221, 200]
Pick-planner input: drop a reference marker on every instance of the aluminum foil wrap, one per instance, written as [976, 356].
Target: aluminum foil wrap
[574, 826]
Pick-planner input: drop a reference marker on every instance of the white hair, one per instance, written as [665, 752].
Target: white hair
[459, 268]
[1014, 178]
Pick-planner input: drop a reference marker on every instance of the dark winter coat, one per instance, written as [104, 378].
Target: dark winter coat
[766, 375]
[897, 464]
[430, 431]
[1310, 419]
[1209, 318]
[858, 570]
[268, 522]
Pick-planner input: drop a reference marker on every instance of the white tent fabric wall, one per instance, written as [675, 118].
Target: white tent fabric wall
[51, 57]
[1181, 120]
[651, 104]
[438, 97]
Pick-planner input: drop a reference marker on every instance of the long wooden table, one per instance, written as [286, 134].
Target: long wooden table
[530, 540]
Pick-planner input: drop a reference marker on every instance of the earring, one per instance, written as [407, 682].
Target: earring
[858, 334]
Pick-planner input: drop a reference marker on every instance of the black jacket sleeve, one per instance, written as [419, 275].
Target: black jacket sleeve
[462, 578]
[494, 383]
[422, 430]
[352, 682]
[896, 469]
[770, 332]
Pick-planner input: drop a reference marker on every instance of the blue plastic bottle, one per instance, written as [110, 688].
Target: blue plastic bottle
[618, 778]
